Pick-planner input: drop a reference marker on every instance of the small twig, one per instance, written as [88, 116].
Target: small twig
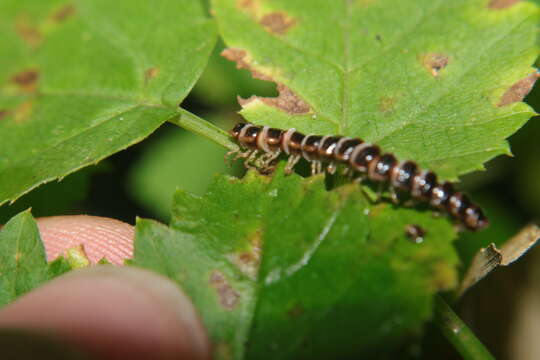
[195, 124]
[455, 330]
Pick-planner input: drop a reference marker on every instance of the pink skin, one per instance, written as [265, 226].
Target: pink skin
[108, 311]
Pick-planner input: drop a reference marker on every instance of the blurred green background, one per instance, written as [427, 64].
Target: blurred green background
[141, 180]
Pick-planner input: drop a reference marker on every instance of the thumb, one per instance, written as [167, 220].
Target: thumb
[113, 313]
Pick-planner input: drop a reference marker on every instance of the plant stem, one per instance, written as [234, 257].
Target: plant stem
[455, 330]
[195, 124]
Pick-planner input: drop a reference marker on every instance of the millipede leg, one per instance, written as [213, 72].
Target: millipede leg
[409, 203]
[293, 160]
[271, 157]
[251, 157]
[243, 155]
[349, 173]
[316, 167]
[265, 161]
[394, 195]
[459, 228]
[379, 192]
[261, 160]
[227, 158]
[331, 168]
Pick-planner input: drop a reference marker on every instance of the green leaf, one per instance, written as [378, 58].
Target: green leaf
[23, 262]
[57, 197]
[439, 82]
[87, 78]
[174, 161]
[280, 268]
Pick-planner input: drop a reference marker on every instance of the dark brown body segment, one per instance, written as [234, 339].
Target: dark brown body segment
[310, 147]
[365, 159]
[273, 138]
[344, 150]
[361, 159]
[327, 148]
[404, 175]
[248, 136]
[295, 143]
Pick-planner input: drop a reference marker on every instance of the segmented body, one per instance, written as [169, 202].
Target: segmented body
[363, 158]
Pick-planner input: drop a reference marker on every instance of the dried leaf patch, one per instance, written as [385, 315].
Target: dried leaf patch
[64, 13]
[26, 80]
[228, 297]
[435, 62]
[519, 90]
[487, 259]
[501, 4]
[286, 101]
[277, 22]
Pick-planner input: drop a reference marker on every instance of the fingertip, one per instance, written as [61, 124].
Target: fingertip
[114, 313]
[101, 237]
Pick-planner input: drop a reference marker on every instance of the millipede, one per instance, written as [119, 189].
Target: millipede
[359, 157]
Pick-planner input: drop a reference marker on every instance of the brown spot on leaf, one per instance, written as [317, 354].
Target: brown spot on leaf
[248, 261]
[277, 22]
[228, 297]
[387, 104]
[28, 33]
[26, 80]
[64, 13]
[252, 7]
[3, 113]
[150, 74]
[501, 4]
[286, 101]
[519, 90]
[246, 4]
[23, 111]
[434, 62]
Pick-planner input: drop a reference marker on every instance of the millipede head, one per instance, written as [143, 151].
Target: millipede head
[235, 131]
